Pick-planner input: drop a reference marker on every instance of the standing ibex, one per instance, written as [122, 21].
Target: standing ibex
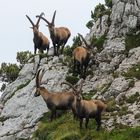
[54, 101]
[82, 56]
[41, 42]
[59, 35]
[88, 108]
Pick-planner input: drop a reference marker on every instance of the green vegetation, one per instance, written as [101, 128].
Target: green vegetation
[111, 105]
[22, 85]
[133, 72]
[65, 128]
[43, 55]
[2, 119]
[99, 11]
[108, 3]
[123, 111]
[98, 42]
[132, 41]
[3, 87]
[23, 57]
[137, 116]
[72, 79]
[10, 71]
[18, 88]
[68, 51]
[89, 95]
[90, 24]
[133, 98]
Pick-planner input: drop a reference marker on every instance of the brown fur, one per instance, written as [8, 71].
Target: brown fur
[41, 42]
[80, 53]
[59, 35]
[55, 101]
[100, 104]
[89, 109]
[81, 60]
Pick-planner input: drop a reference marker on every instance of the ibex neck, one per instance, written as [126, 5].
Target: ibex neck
[44, 93]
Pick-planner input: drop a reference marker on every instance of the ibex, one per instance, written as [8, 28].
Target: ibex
[41, 42]
[82, 56]
[58, 35]
[88, 108]
[54, 101]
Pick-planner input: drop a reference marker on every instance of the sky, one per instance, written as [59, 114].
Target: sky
[15, 34]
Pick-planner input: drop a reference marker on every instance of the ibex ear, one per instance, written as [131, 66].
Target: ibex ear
[31, 27]
[53, 18]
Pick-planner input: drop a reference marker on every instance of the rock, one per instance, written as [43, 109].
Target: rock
[22, 110]
[118, 85]
[133, 59]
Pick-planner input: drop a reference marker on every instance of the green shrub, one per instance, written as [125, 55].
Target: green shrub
[133, 72]
[3, 87]
[133, 98]
[137, 116]
[98, 11]
[89, 95]
[132, 41]
[2, 119]
[23, 57]
[76, 41]
[90, 24]
[68, 51]
[72, 79]
[98, 42]
[108, 3]
[111, 105]
[10, 70]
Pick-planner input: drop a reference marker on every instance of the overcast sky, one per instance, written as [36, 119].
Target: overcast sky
[15, 34]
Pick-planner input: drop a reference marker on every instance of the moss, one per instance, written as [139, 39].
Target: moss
[72, 79]
[132, 41]
[18, 88]
[2, 119]
[89, 72]
[137, 116]
[131, 83]
[104, 88]
[133, 98]
[133, 72]
[115, 75]
[22, 85]
[111, 105]
[123, 111]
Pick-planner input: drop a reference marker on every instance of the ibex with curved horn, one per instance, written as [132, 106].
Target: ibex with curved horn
[54, 101]
[87, 108]
[41, 42]
[82, 56]
[58, 35]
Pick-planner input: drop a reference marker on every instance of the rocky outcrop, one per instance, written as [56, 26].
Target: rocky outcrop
[21, 110]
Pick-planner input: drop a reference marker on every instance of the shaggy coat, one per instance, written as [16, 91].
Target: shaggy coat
[58, 35]
[54, 101]
[41, 42]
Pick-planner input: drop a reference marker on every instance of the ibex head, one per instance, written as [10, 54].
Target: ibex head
[35, 26]
[39, 76]
[76, 92]
[51, 24]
